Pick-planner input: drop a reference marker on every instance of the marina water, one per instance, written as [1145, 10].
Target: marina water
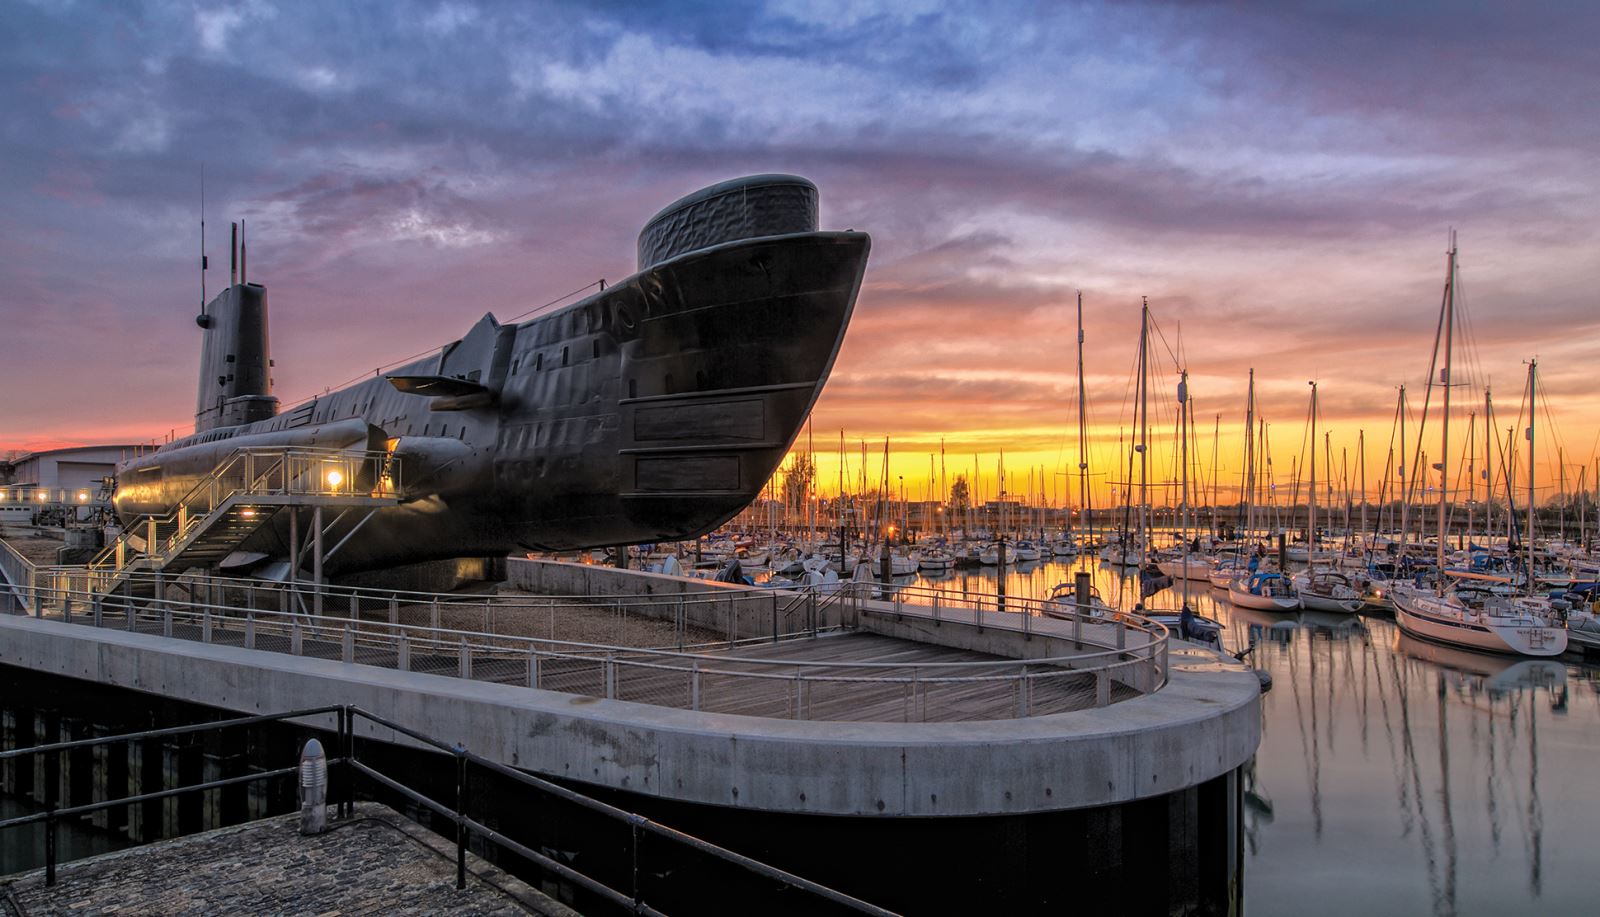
[1395, 776]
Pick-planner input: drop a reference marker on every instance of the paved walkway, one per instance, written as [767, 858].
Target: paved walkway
[377, 864]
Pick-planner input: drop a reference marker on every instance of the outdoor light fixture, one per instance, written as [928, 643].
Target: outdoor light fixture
[335, 478]
[248, 512]
[83, 496]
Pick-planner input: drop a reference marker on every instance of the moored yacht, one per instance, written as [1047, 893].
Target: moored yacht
[1473, 616]
[1266, 591]
[1326, 590]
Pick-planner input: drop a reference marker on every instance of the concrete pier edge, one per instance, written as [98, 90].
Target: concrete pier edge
[1205, 722]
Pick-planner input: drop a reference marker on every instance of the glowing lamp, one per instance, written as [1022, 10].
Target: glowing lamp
[83, 496]
[335, 478]
[249, 512]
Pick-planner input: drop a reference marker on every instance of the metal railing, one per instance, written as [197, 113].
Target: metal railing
[703, 681]
[638, 868]
[55, 753]
[716, 617]
[254, 472]
[17, 571]
[636, 865]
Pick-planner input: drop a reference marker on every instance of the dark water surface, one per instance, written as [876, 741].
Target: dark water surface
[1395, 775]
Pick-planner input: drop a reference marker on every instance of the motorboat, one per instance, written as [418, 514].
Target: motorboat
[1200, 629]
[1063, 603]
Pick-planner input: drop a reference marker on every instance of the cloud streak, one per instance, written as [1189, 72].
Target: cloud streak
[1277, 179]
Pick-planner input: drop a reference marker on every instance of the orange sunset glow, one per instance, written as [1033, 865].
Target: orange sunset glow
[996, 185]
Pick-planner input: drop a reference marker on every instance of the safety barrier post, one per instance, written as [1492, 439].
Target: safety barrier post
[461, 817]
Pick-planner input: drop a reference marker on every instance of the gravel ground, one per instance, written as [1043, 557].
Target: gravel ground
[377, 863]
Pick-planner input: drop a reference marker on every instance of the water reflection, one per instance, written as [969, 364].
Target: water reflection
[1395, 775]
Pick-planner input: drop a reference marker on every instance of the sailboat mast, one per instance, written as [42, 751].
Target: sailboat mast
[1250, 456]
[1444, 432]
[1311, 532]
[1533, 382]
[1083, 427]
[1144, 432]
[1405, 485]
[1183, 428]
[1361, 460]
[1488, 467]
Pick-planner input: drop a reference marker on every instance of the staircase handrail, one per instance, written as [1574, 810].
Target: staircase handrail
[255, 484]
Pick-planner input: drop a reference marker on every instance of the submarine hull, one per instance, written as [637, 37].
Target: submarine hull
[654, 410]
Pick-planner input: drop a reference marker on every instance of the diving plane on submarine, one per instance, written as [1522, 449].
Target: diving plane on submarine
[654, 410]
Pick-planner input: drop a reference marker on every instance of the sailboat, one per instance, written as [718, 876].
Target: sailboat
[1328, 590]
[1467, 613]
[1265, 590]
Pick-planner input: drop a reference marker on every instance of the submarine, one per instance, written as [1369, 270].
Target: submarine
[653, 410]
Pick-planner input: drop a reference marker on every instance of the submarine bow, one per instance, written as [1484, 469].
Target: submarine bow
[653, 410]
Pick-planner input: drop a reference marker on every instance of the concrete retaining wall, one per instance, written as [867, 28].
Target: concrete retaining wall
[1204, 723]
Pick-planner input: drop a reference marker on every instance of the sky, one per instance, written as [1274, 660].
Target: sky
[1278, 179]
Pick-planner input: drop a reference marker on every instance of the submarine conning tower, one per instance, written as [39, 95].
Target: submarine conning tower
[235, 360]
[741, 208]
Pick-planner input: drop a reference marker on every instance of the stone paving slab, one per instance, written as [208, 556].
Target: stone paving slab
[376, 863]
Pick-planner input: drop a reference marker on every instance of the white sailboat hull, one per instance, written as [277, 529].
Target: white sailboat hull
[1196, 569]
[1328, 603]
[1425, 615]
[1220, 578]
[1246, 599]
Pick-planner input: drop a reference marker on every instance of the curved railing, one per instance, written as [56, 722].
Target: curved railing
[1097, 675]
